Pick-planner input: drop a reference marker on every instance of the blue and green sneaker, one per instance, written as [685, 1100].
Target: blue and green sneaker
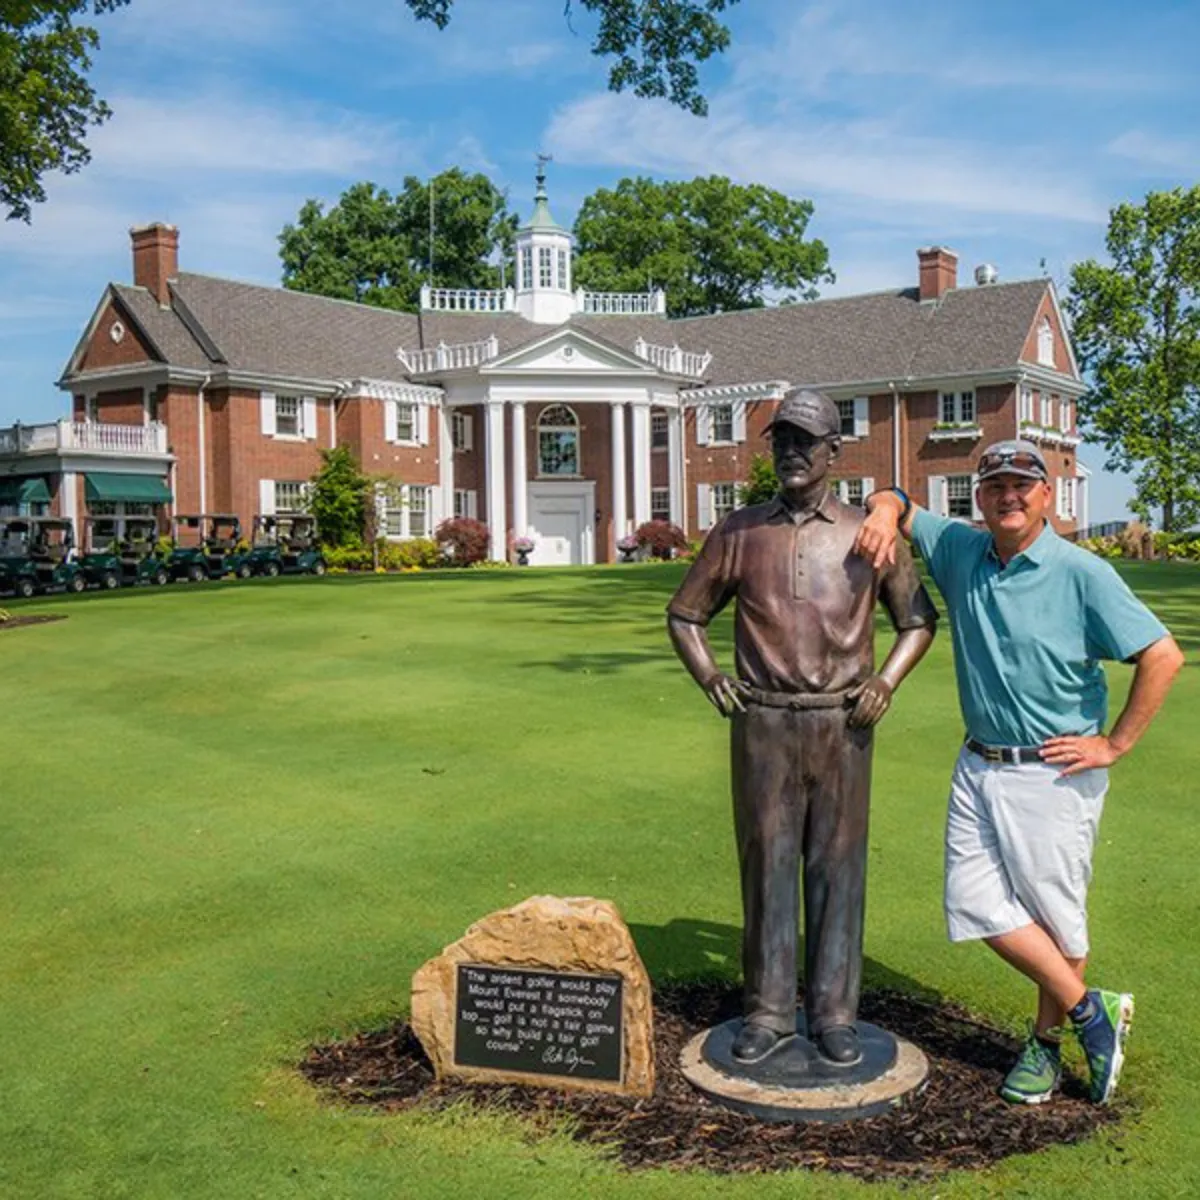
[1102, 1035]
[1035, 1074]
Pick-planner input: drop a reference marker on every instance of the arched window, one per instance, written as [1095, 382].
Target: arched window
[558, 441]
[1046, 343]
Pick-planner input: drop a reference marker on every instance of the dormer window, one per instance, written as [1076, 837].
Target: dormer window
[1045, 350]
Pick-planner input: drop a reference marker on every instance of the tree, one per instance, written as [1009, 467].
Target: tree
[656, 43]
[763, 483]
[340, 497]
[46, 102]
[713, 245]
[373, 247]
[1136, 328]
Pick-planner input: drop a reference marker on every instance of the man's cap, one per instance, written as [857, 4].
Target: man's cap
[812, 411]
[1013, 457]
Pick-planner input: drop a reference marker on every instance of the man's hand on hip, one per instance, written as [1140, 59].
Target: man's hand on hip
[725, 694]
[871, 700]
[1077, 753]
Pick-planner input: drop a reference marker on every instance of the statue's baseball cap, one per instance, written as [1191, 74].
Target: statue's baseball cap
[1013, 457]
[812, 411]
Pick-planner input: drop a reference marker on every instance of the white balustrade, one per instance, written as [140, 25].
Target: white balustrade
[94, 437]
[622, 304]
[449, 358]
[475, 300]
[673, 359]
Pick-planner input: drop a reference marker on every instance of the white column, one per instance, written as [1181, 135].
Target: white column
[498, 546]
[445, 460]
[641, 461]
[69, 501]
[675, 464]
[620, 480]
[520, 490]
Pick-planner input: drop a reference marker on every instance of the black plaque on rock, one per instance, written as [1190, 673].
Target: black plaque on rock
[538, 1022]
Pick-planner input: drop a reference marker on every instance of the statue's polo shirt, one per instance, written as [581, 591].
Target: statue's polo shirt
[1028, 636]
[805, 601]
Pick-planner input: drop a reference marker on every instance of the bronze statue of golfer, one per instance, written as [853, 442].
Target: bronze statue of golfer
[803, 703]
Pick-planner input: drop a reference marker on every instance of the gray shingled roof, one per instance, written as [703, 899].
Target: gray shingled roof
[880, 336]
[163, 326]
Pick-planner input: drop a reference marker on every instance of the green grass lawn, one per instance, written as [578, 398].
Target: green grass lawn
[234, 819]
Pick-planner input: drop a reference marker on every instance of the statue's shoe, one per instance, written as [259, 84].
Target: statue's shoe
[839, 1044]
[754, 1042]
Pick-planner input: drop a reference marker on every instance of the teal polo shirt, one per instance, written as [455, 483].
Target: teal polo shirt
[1029, 636]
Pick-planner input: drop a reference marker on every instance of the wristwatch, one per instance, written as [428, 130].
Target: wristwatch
[907, 502]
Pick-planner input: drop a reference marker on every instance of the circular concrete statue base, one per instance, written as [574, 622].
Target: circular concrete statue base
[794, 1083]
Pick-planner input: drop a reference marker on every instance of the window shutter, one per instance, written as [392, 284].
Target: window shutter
[268, 413]
[468, 432]
[937, 495]
[703, 425]
[437, 509]
[310, 417]
[739, 421]
[976, 511]
[868, 488]
[266, 497]
[841, 489]
[1060, 496]
[704, 506]
[862, 418]
[422, 414]
[389, 421]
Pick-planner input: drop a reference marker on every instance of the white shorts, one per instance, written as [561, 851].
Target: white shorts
[1019, 842]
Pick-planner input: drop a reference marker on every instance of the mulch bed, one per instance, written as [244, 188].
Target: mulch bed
[32, 619]
[957, 1121]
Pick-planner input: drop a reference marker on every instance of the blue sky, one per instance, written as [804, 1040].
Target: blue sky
[1005, 131]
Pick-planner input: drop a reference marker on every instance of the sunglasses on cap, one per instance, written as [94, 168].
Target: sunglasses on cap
[1020, 462]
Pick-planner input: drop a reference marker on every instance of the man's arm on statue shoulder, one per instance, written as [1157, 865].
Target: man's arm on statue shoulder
[706, 589]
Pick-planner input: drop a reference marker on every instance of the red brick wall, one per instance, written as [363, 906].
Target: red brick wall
[869, 457]
[177, 409]
[102, 351]
[1029, 353]
[469, 472]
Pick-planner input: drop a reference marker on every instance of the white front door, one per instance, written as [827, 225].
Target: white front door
[559, 538]
[560, 523]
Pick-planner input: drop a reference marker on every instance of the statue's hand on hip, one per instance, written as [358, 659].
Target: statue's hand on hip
[871, 700]
[725, 694]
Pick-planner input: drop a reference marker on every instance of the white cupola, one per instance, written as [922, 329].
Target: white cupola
[544, 262]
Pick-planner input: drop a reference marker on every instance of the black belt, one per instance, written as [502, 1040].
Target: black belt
[1006, 754]
[796, 701]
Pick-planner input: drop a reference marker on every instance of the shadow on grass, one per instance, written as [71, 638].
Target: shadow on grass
[607, 663]
[686, 949]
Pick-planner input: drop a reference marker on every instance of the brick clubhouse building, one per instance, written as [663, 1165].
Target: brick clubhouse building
[541, 409]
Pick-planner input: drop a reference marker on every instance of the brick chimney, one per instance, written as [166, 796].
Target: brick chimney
[155, 258]
[939, 271]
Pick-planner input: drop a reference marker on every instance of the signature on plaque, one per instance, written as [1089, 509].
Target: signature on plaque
[569, 1058]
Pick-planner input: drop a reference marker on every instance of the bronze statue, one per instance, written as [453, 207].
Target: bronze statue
[803, 706]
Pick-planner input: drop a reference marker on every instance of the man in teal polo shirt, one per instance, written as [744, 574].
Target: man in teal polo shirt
[1031, 617]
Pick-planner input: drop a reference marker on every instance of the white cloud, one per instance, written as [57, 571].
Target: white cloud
[153, 136]
[1153, 150]
[801, 154]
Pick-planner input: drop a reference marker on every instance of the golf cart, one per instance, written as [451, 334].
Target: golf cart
[35, 556]
[111, 562]
[286, 545]
[206, 547]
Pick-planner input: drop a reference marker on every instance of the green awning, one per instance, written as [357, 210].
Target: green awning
[31, 490]
[140, 489]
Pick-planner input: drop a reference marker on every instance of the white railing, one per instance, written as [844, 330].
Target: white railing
[449, 358]
[92, 436]
[622, 304]
[467, 299]
[672, 359]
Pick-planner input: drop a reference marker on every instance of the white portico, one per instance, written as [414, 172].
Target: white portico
[567, 441]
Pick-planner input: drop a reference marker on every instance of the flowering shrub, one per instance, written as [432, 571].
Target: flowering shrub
[416, 553]
[661, 538]
[347, 558]
[463, 540]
